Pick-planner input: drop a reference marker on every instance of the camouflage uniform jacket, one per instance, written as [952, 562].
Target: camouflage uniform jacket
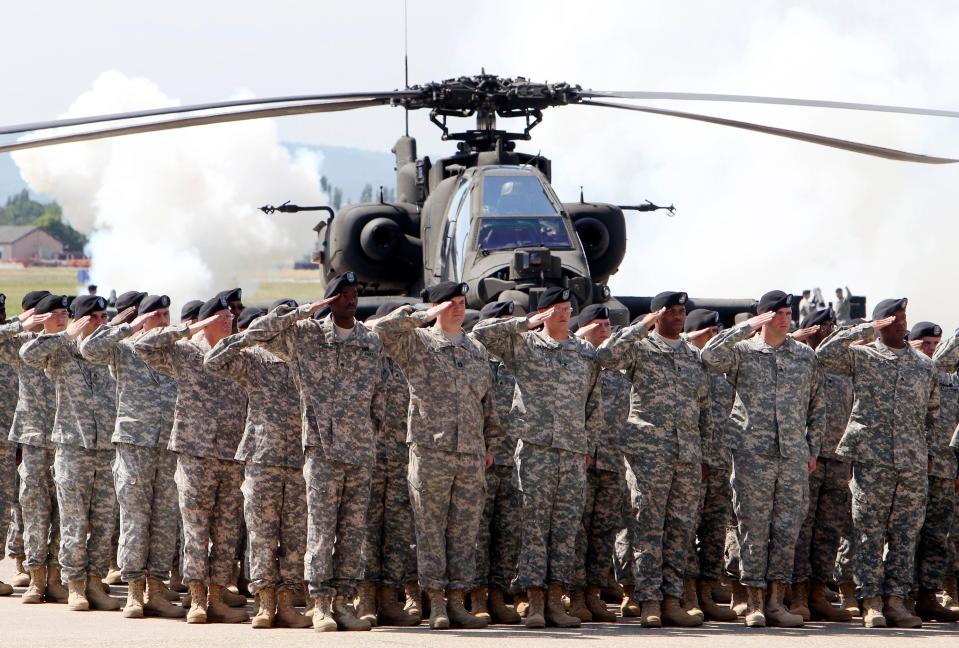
[511, 414]
[895, 409]
[274, 429]
[559, 381]
[391, 435]
[669, 407]
[86, 393]
[36, 397]
[609, 451]
[946, 359]
[722, 395]
[778, 409]
[342, 382]
[452, 395]
[838, 394]
[146, 398]
[210, 411]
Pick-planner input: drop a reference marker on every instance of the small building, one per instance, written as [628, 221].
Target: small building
[28, 242]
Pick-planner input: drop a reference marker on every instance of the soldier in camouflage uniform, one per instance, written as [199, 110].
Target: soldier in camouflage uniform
[8, 455]
[84, 420]
[340, 369]
[452, 417]
[497, 545]
[605, 481]
[669, 431]
[144, 468]
[559, 378]
[934, 549]
[829, 516]
[774, 435]
[207, 426]
[894, 417]
[274, 493]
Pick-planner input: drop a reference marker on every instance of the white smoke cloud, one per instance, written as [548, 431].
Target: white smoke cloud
[176, 212]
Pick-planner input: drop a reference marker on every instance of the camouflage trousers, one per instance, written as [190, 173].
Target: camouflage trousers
[933, 552]
[211, 509]
[664, 496]
[8, 477]
[623, 546]
[38, 503]
[337, 498]
[147, 497]
[497, 542]
[596, 537]
[553, 486]
[88, 504]
[15, 531]
[447, 491]
[731, 551]
[770, 496]
[846, 556]
[274, 507]
[389, 556]
[827, 520]
[954, 541]
[887, 512]
[706, 555]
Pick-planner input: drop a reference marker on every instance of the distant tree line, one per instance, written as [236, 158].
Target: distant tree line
[21, 209]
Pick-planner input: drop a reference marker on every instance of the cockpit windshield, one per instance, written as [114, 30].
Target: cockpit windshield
[515, 195]
[508, 233]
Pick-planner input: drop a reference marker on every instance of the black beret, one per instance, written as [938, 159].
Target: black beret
[819, 317]
[925, 329]
[888, 307]
[322, 313]
[247, 315]
[51, 303]
[31, 299]
[213, 306]
[336, 286]
[128, 299]
[592, 312]
[86, 304]
[699, 319]
[190, 310]
[496, 309]
[152, 303]
[553, 295]
[386, 308]
[667, 299]
[444, 291]
[233, 294]
[283, 302]
[773, 301]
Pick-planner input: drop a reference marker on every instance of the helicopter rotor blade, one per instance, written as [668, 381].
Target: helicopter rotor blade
[173, 110]
[780, 101]
[846, 145]
[186, 122]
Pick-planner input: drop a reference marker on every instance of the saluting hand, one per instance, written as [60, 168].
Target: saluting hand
[142, 319]
[915, 344]
[25, 315]
[584, 331]
[538, 318]
[123, 316]
[801, 334]
[202, 324]
[757, 322]
[433, 312]
[77, 326]
[650, 320]
[883, 323]
[317, 305]
[698, 334]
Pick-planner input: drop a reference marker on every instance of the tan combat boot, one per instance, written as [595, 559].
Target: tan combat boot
[323, 614]
[776, 613]
[847, 598]
[366, 601]
[414, 599]
[799, 601]
[710, 608]
[98, 599]
[198, 601]
[754, 616]
[650, 614]
[114, 576]
[674, 614]
[134, 607]
[498, 610]
[77, 596]
[577, 605]
[690, 600]
[536, 608]
[345, 615]
[739, 599]
[823, 610]
[459, 616]
[176, 583]
[479, 603]
[38, 586]
[56, 592]
[167, 593]
[287, 616]
[439, 618]
[217, 610]
[158, 604]
[266, 610]
[897, 615]
[950, 596]
[233, 599]
[928, 608]
[872, 612]
[22, 577]
[722, 591]
[629, 607]
[5, 589]
[597, 606]
[556, 611]
[390, 612]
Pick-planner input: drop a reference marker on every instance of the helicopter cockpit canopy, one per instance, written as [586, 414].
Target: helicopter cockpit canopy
[517, 211]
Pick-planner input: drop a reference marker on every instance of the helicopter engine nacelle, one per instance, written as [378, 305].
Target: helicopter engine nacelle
[602, 231]
[379, 242]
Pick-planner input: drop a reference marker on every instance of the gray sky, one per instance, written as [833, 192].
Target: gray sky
[755, 212]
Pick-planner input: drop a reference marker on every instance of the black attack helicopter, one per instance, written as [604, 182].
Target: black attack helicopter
[487, 214]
